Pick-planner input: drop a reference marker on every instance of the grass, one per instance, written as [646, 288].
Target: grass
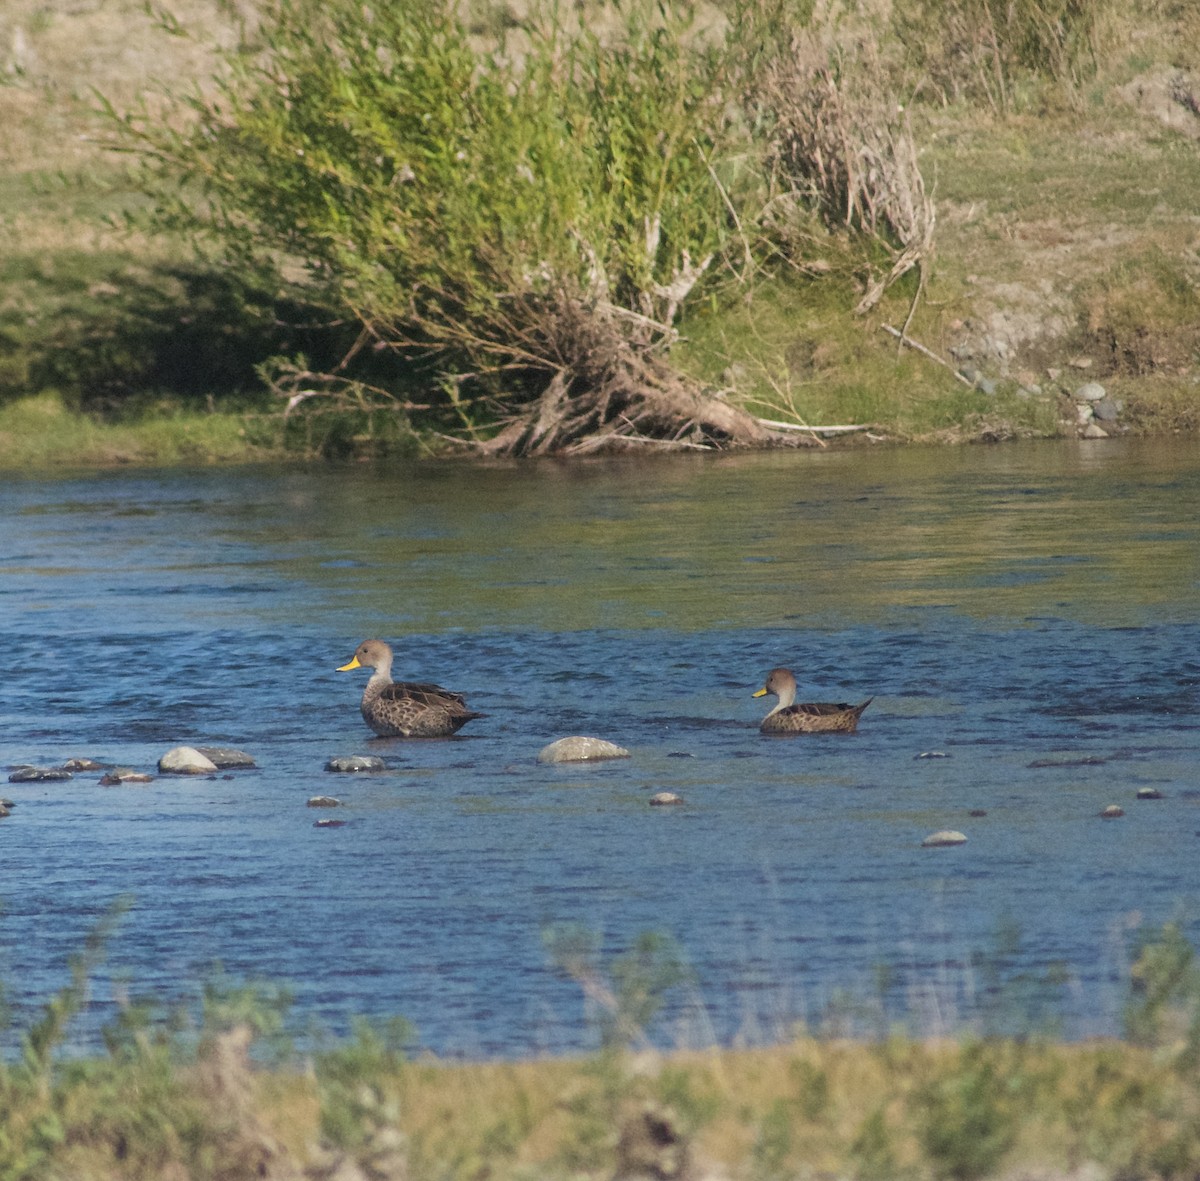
[41, 432]
[1065, 232]
[179, 1097]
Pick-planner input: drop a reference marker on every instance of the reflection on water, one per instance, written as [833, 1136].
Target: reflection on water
[1032, 612]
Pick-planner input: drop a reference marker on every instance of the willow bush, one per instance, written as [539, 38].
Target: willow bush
[525, 220]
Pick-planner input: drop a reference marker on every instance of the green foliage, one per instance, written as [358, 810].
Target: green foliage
[1163, 1008]
[970, 1117]
[356, 1079]
[448, 198]
[629, 991]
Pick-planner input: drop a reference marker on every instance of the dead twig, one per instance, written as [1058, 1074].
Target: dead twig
[920, 348]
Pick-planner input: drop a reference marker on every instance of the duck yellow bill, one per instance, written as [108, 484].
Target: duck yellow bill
[345, 668]
[761, 693]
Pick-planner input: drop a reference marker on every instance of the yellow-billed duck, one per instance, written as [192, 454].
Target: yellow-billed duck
[809, 717]
[405, 709]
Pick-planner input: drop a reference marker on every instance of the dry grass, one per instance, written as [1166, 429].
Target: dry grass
[897, 1109]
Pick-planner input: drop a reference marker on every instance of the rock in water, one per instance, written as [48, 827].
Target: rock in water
[225, 757]
[578, 749]
[29, 774]
[938, 840]
[185, 760]
[355, 763]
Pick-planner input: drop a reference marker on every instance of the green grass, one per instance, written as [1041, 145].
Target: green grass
[40, 432]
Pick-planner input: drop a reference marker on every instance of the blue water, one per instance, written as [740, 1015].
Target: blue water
[1032, 612]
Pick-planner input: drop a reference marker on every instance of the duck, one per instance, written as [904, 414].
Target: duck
[810, 717]
[405, 709]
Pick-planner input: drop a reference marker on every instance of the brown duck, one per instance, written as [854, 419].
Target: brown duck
[810, 717]
[405, 709]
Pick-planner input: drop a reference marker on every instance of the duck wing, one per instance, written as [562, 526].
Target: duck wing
[422, 693]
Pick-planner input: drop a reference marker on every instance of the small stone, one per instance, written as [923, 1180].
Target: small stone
[579, 749]
[1112, 812]
[987, 385]
[225, 757]
[1149, 793]
[1093, 431]
[28, 774]
[1080, 362]
[663, 798]
[324, 802]
[1083, 413]
[355, 763]
[947, 836]
[123, 775]
[82, 765]
[1090, 391]
[1107, 410]
[185, 760]
[932, 754]
[328, 823]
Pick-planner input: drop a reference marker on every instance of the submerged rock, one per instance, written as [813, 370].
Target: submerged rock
[82, 765]
[30, 774]
[225, 757]
[664, 798]
[119, 776]
[1149, 793]
[355, 763]
[947, 836]
[1112, 812]
[185, 760]
[328, 823]
[579, 749]
[324, 802]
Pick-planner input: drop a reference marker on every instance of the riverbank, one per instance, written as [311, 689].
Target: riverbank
[361, 1111]
[1065, 256]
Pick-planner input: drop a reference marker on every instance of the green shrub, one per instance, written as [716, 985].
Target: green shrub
[529, 218]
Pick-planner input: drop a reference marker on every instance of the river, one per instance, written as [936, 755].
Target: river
[1030, 612]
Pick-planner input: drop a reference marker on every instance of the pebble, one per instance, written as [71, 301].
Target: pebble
[1094, 430]
[662, 798]
[185, 760]
[28, 774]
[324, 802]
[1090, 391]
[225, 757]
[354, 763]
[1112, 812]
[579, 749]
[1149, 793]
[946, 836]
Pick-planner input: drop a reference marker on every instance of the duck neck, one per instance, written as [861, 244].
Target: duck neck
[381, 678]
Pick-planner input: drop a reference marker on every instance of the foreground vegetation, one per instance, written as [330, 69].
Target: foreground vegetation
[227, 1097]
[698, 225]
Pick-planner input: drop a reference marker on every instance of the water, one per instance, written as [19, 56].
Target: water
[1032, 611]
